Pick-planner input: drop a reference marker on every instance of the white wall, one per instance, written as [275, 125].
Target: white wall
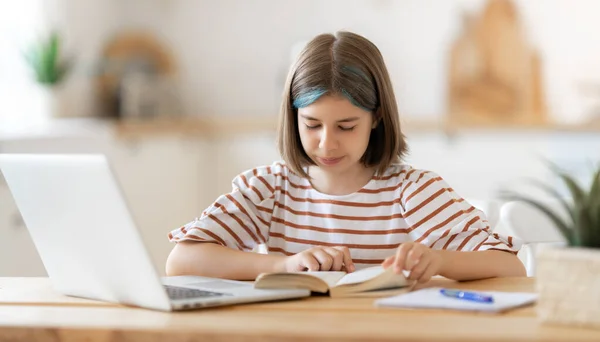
[86, 25]
[234, 54]
[164, 181]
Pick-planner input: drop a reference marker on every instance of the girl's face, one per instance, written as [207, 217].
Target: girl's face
[335, 133]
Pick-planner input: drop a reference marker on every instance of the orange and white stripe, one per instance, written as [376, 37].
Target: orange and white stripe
[272, 205]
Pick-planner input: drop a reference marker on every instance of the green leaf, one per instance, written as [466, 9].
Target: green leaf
[32, 57]
[44, 60]
[594, 207]
[557, 195]
[588, 232]
[53, 59]
[576, 191]
[594, 194]
[562, 226]
[596, 221]
[584, 209]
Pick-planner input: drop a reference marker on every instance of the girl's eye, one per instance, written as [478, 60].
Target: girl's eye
[309, 127]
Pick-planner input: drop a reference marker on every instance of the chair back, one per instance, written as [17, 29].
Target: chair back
[533, 227]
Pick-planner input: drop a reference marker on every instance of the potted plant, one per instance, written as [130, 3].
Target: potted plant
[568, 278]
[50, 69]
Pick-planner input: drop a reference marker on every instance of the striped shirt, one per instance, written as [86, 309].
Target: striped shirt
[274, 206]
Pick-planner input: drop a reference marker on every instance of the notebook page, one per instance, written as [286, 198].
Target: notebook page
[431, 298]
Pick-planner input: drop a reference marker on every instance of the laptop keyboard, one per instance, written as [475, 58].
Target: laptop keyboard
[176, 292]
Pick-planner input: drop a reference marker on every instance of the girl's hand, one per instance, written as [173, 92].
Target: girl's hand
[319, 259]
[422, 262]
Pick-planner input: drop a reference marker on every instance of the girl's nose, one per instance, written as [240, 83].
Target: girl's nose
[328, 140]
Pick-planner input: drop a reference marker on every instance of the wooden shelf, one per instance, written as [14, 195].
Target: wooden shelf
[227, 127]
[224, 127]
[207, 127]
[542, 126]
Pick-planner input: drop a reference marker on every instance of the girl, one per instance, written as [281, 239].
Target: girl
[341, 200]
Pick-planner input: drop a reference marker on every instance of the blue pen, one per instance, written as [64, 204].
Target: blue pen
[466, 295]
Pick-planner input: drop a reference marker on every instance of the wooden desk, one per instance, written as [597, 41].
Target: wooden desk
[30, 311]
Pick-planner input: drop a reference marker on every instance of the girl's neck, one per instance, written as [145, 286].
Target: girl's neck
[339, 184]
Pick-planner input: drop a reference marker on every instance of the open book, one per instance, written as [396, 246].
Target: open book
[338, 284]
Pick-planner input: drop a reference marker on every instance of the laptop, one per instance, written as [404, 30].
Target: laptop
[88, 242]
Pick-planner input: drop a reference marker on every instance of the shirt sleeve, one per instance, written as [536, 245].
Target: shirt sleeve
[439, 218]
[239, 219]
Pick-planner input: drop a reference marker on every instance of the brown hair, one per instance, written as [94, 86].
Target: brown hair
[350, 65]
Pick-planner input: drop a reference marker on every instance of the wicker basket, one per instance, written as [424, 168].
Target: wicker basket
[568, 284]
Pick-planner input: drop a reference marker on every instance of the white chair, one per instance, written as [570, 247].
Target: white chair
[533, 227]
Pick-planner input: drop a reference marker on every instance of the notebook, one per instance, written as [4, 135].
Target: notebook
[432, 298]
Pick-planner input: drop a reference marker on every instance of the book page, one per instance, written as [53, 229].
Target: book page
[361, 275]
[331, 278]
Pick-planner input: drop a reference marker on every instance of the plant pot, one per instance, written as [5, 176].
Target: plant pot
[568, 284]
[49, 103]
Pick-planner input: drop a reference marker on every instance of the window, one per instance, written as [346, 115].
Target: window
[20, 23]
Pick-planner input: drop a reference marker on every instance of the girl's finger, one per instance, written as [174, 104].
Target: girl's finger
[388, 261]
[348, 263]
[324, 259]
[400, 262]
[420, 268]
[310, 262]
[413, 257]
[338, 258]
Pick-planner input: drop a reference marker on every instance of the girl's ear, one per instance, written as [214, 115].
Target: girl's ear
[375, 123]
[376, 118]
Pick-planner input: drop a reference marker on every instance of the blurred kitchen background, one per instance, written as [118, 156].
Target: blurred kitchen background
[182, 95]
